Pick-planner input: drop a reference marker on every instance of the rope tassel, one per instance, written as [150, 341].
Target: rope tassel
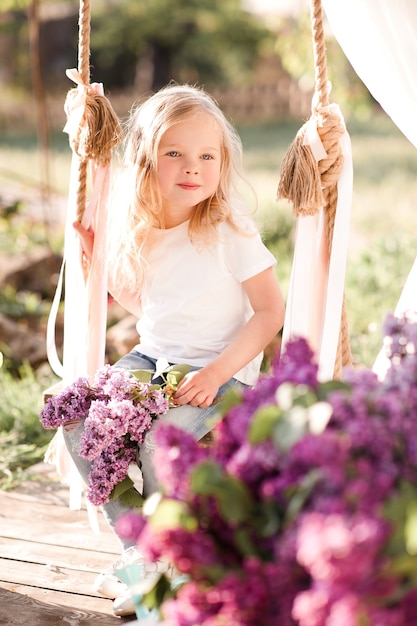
[93, 127]
[300, 181]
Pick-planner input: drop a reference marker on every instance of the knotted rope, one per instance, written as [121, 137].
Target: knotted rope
[93, 127]
[310, 183]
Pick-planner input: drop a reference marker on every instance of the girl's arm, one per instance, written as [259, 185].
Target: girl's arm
[129, 301]
[200, 388]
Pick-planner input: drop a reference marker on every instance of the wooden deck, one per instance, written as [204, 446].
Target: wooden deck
[49, 558]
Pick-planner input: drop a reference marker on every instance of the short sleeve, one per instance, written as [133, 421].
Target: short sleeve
[246, 256]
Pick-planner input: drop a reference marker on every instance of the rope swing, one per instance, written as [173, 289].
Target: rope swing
[309, 178]
[98, 128]
[310, 181]
[94, 130]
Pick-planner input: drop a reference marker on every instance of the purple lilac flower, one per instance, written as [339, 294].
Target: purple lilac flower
[130, 526]
[409, 609]
[117, 411]
[190, 607]
[192, 552]
[114, 382]
[70, 405]
[177, 452]
[253, 464]
[236, 600]
[139, 423]
[342, 554]
[107, 470]
[105, 423]
[296, 365]
[314, 549]
[156, 402]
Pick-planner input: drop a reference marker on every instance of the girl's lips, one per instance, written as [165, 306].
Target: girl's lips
[188, 186]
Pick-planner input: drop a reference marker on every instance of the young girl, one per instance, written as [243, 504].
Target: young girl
[187, 262]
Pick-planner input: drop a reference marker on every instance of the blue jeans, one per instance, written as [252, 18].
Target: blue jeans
[193, 420]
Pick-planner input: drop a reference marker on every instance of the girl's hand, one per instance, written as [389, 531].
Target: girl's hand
[197, 388]
[87, 239]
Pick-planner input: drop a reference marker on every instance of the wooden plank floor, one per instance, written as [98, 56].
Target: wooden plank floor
[49, 558]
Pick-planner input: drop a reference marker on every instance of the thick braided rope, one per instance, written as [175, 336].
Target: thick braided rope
[330, 167]
[319, 50]
[84, 30]
[99, 130]
[310, 184]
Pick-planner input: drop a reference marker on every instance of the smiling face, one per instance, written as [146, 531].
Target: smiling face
[189, 162]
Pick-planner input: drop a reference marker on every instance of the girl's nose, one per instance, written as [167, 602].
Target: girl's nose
[191, 168]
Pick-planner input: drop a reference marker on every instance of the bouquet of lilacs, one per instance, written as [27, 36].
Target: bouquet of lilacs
[118, 408]
[304, 509]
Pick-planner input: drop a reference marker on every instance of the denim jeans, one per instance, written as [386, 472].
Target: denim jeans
[193, 420]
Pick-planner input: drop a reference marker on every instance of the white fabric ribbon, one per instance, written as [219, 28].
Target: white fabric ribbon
[312, 138]
[315, 297]
[85, 310]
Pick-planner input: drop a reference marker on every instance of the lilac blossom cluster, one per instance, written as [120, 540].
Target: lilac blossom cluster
[317, 532]
[117, 410]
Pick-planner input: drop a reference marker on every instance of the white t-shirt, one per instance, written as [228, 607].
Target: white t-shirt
[193, 302]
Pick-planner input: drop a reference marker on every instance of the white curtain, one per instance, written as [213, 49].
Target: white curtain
[379, 37]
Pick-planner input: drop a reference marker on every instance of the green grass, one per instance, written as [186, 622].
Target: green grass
[23, 440]
[21, 163]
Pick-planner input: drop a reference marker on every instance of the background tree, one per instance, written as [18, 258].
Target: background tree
[147, 43]
[293, 45]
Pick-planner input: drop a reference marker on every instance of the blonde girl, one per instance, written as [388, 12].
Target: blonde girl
[187, 261]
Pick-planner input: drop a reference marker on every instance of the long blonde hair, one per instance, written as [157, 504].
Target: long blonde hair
[136, 202]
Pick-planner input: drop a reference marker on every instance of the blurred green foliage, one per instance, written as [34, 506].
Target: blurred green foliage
[23, 440]
[205, 41]
[136, 43]
[294, 46]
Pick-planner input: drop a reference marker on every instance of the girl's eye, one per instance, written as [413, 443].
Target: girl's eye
[173, 153]
[206, 157]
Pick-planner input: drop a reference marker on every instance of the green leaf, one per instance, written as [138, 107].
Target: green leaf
[328, 387]
[400, 511]
[404, 566]
[143, 376]
[175, 374]
[205, 477]
[301, 494]
[233, 497]
[268, 519]
[410, 528]
[288, 395]
[158, 594]
[172, 514]
[127, 494]
[231, 398]
[132, 498]
[121, 487]
[304, 396]
[245, 543]
[291, 428]
[263, 423]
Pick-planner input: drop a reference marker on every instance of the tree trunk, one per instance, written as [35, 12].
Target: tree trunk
[40, 98]
[162, 65]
